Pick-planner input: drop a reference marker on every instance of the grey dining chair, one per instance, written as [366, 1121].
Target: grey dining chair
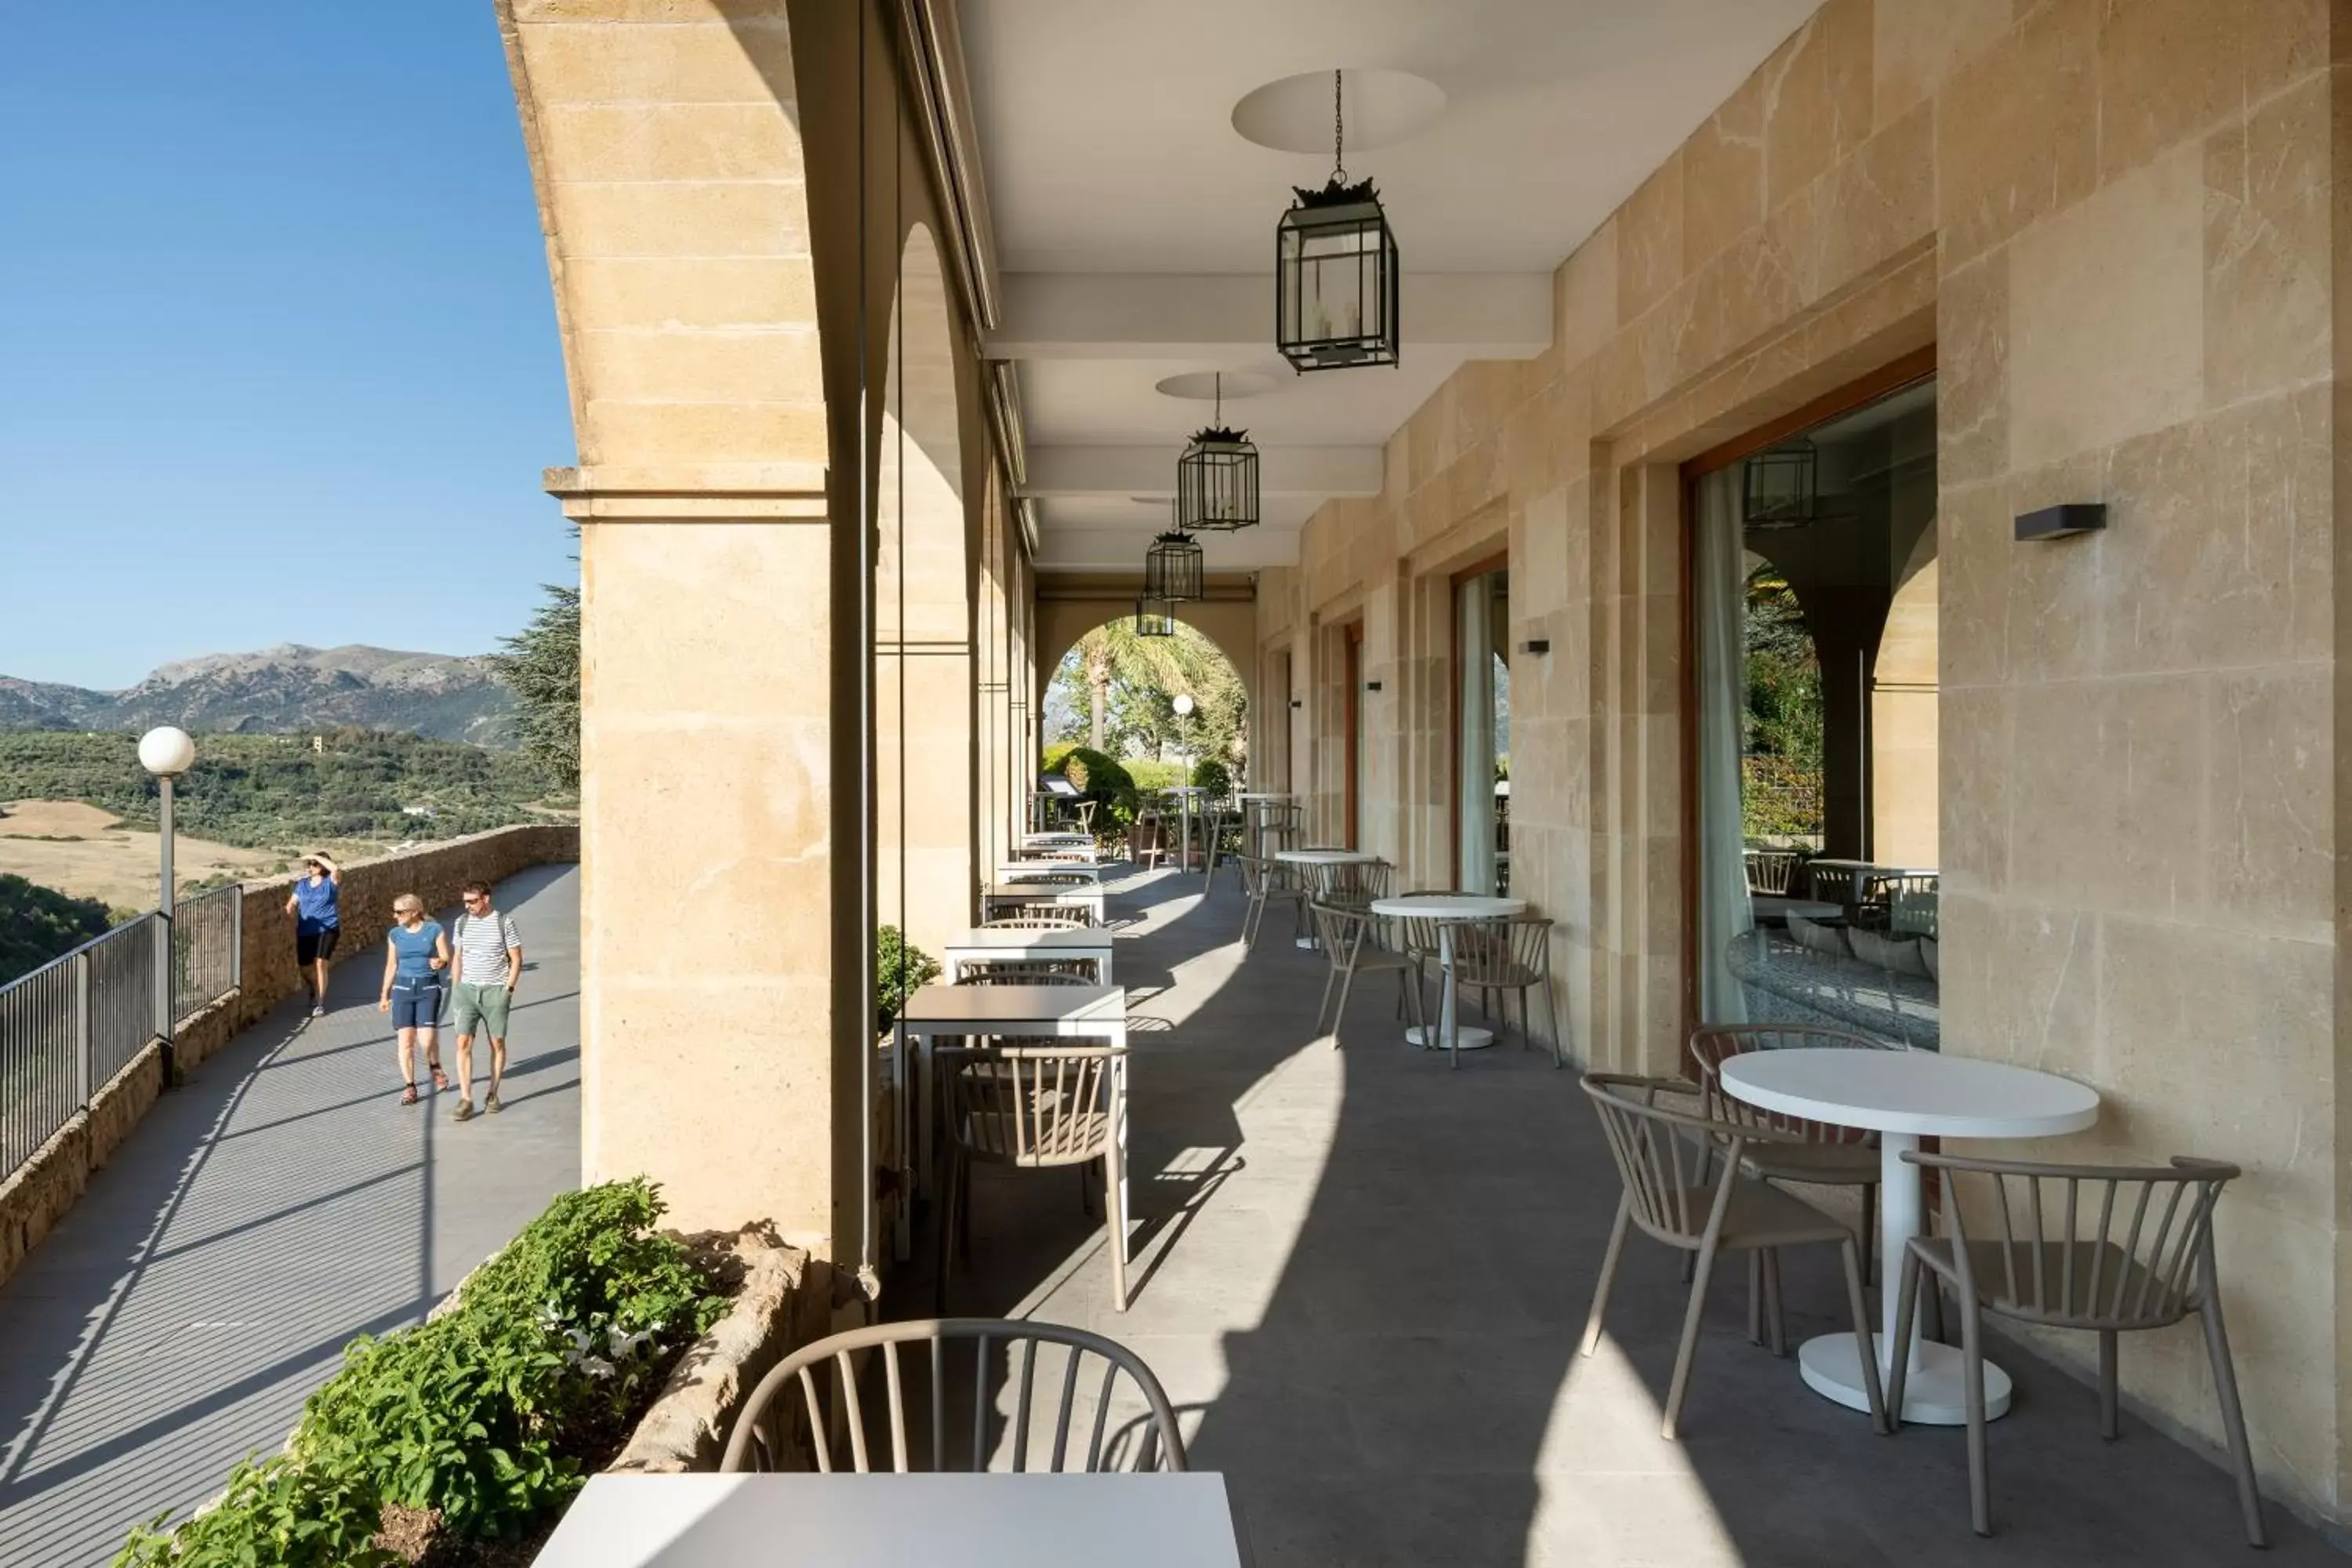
[812, 1400]
[1352, 941]
[1825, 1156]
[1025, 971]
[1266, 882]
[1032, 1106]
[2110, 1249]
[1511, 955]
[1661, 1155]
[1039, 917]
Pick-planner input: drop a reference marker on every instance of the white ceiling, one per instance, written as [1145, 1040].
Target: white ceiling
[1106, 131]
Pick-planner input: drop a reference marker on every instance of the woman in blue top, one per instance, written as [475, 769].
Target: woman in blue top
[316, 908]
[416, 956]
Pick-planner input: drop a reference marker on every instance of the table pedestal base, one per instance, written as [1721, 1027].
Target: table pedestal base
[1934, 1393]
[1429, 1038]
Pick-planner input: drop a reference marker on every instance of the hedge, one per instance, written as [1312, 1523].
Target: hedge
[490, 1416]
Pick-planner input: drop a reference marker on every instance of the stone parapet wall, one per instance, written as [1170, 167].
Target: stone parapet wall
[433, 874]
[36, 1196]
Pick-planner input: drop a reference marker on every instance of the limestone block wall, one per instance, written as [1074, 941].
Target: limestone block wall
[2117, 227]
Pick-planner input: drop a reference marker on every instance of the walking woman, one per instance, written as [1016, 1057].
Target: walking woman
[416, 956]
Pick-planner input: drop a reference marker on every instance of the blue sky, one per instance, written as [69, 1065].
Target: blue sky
[278, 351]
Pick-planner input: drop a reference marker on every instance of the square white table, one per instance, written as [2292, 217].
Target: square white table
[983, 943]
[1005, 895]
[1182, 1519]
[1091, 1013]
[1903, 1095]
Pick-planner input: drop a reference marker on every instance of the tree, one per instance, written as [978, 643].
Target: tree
[542, 663]
[1114, 653]
[1126, 685]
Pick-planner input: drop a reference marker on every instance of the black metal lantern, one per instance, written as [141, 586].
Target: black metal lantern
[1154, 619]
[1779, 487]
[1173, 568]
[1216, 478]
[1336, 271]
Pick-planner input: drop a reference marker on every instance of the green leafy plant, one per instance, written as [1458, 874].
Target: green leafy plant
[899, 969]
[1102, 780]
[1212, 775]
[489, 1415]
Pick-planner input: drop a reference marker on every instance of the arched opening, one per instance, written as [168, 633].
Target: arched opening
[1116, 691]
[923, 669]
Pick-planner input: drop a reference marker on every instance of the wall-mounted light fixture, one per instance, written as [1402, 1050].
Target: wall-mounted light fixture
[2061, 521]
[1298, 702]
[1371, 686]
[1536, 645]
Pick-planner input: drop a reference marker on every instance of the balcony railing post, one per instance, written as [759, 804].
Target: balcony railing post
[81, 1030]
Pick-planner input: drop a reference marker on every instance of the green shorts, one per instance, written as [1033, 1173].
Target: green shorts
[480, 1009]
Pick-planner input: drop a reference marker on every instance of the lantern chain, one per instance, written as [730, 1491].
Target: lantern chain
[1339, 133]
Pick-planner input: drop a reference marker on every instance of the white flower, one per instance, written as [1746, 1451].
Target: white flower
[596, 1366]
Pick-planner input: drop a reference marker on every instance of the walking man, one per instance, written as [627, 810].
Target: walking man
[316, 908]
[490, 962]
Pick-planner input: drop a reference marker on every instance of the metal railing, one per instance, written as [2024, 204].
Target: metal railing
[67, 1027]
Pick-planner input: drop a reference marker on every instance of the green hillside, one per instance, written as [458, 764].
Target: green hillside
[38, 923]
[275, 791]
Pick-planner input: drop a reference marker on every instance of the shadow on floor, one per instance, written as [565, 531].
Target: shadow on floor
[1364, 1277]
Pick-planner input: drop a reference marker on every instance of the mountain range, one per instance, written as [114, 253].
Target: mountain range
[285, 689]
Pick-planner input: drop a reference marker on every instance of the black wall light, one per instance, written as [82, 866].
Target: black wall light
[1371, 686]
[1294, 702]
[2061, 521]
[1536, 645]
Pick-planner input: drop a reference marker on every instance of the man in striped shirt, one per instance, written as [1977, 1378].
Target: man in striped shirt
[488, 961]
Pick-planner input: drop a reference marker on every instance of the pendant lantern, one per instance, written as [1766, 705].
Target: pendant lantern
[1154, 619]
[1216, 478]
[1779, 487]
[1336, 269]
[1173, 568]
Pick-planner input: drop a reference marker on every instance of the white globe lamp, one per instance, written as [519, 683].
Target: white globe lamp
[167, 752]
[1183, 706]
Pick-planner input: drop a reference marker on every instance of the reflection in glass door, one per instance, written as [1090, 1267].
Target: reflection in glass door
[1482, 736]
[1813, 576]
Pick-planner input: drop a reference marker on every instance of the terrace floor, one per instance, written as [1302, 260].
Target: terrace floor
[278, 1204]
[1362, 1280]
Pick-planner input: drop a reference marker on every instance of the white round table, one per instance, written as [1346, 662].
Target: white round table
[1903, 1096]
[1456, 908]
[1314, 857]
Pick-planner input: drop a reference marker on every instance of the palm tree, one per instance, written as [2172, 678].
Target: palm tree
[1113, 652]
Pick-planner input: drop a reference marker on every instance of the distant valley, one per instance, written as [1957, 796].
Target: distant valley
[286, 689]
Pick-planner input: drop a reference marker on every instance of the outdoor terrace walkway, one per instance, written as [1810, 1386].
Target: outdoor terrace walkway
[264, 1213]
[1363, 1279]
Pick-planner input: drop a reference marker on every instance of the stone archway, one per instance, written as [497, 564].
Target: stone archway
[925, 828]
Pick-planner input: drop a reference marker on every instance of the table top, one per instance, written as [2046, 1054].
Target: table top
[1325, 856]
[1770, 904]
[1268, 794]
[991, 1004]
[1079, 839]
[1047, 892]
[1911, 1092]
[1092, 939]
[1184, 789]
[1880, 867]
[1458, 907]
[1037, 1520]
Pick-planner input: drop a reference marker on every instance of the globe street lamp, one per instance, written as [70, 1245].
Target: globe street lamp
[1184, 705]
[167, 753]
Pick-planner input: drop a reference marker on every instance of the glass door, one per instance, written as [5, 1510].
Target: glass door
[1482, 732]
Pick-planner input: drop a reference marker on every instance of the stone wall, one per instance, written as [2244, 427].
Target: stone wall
[36, 1195]
[2118, 227]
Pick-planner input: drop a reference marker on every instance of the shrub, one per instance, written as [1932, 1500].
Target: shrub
[900, 968]
[488, 1413]
[1212, 775]
[1102, 780]
[1149, 775]
[38, 923]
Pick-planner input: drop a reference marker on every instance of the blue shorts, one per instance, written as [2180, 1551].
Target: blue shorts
[415, 1004]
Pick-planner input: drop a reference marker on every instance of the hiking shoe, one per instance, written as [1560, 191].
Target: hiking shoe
[491, 1103]
[465, 1111]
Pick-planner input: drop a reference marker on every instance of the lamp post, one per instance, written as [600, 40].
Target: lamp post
[167, 753]
[1183, 706]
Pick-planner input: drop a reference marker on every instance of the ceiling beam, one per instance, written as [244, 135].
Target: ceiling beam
[1117, 472]
[1129, 315]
